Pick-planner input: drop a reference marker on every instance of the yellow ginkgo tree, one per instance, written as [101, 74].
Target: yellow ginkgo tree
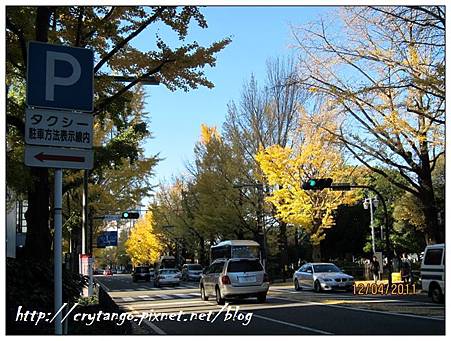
[144, 246]
[314, 157]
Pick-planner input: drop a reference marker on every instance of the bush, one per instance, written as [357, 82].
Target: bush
[30, 284]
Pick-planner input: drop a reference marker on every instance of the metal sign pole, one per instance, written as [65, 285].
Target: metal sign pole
[57, 249]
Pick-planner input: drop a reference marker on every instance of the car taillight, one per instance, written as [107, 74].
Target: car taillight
[265, 278]
[225, 279]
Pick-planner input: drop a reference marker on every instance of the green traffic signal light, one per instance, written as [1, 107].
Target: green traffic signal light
[317, 184]
[130, 215]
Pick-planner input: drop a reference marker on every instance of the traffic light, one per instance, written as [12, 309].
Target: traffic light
[130, 215]
[317, 184]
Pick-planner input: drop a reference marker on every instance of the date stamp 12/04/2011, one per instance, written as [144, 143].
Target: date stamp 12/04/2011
[395, 289]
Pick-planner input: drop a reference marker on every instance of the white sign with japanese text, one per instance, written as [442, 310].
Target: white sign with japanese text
[58, 128]
[49, 157]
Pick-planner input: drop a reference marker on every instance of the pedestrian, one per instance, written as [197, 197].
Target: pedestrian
[374, 268]
[406, 269]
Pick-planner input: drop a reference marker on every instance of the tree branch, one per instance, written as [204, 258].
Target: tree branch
[20, 36]
[125, 41]
[110, 99]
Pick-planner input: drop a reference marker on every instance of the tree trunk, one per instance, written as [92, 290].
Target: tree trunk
[38, 242]
[433, 234]
[316, 253]
[427, 199]
[283, 248]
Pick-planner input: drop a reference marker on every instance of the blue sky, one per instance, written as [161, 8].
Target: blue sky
[258, 33]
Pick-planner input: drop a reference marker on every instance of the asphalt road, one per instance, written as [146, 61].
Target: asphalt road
[286, 312]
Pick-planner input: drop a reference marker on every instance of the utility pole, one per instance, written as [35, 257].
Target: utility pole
[347, 187]
[86, 231]
[369, 202]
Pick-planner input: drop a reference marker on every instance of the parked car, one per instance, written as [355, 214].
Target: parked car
[191, 272]
[152, 272]
[432, 272]
[234, 278]
[167, 277]
[322, 276]
[107, 272]
[141, 273]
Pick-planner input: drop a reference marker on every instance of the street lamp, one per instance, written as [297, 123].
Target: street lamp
[368, 203]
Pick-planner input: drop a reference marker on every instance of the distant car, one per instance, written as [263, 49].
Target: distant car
[234, 278]
[191, 272]
[152, 272]
[322, 276]
[433, 272]
[140, 273]
[167, 277]
[107, 272]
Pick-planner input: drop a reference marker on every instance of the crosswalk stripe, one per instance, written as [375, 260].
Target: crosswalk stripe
[128, 299]
[164, 297]
[183, 295]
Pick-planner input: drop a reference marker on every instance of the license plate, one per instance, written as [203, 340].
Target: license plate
[247, 279]
[341, 284]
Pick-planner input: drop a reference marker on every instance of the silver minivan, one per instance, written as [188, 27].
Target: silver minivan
[433, 272]
[234, 278]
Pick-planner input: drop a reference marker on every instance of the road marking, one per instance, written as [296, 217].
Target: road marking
[128, 299]
[293, 325]
[364, 310]
[164, 297]
[379, 312]
[148, 298]
[184, 295]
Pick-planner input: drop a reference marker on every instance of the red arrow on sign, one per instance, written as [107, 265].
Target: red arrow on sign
[43, 157]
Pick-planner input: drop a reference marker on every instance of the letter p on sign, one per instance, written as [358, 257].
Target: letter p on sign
[51, 80]
[60, 77]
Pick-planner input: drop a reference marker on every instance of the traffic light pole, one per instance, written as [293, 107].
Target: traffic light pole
[347, 187]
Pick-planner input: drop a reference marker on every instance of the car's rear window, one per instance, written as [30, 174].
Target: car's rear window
[433, 257]
[195, 267]
[141, 270]
[168, 271]
[244, 266]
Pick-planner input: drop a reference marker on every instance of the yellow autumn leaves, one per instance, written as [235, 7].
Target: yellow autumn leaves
[316, 156]
[143, 245]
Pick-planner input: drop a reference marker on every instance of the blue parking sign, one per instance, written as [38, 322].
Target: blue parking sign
[107, 238]
[60, 77]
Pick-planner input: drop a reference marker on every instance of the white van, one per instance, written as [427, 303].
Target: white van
[433, 272]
